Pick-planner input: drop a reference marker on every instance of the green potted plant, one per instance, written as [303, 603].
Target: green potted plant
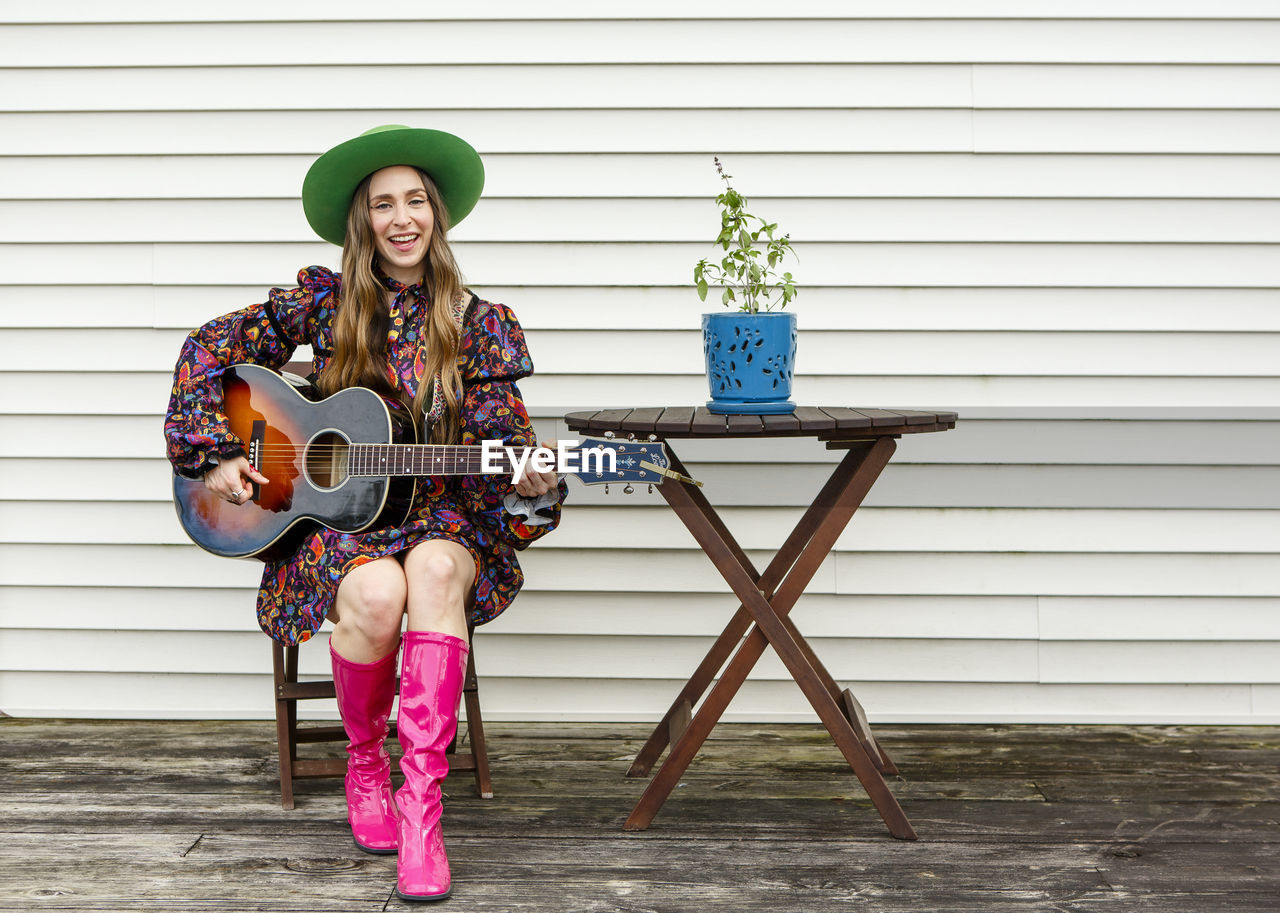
[751, 351]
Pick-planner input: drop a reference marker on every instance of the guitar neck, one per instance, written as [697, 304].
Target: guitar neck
[432, 459]
[594, 462]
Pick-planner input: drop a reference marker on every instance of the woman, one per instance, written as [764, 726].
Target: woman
[397, 320]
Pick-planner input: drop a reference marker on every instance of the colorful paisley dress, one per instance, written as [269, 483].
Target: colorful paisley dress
[297, 592]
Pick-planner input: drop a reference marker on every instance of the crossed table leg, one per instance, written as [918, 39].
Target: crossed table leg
[766, 600]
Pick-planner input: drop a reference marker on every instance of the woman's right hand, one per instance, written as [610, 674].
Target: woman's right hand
[233, 478]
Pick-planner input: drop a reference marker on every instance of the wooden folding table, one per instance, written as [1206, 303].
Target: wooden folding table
[868, 438]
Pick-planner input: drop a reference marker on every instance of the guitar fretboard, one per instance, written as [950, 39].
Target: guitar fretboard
[427, 460]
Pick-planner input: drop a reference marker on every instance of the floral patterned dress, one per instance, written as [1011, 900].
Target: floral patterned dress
[297, 592]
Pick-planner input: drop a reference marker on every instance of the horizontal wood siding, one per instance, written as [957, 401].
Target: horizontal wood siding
[1058, 219]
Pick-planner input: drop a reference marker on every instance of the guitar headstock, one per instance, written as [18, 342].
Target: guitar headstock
[605, 460]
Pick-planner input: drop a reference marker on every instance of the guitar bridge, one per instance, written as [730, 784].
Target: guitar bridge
[256, 438]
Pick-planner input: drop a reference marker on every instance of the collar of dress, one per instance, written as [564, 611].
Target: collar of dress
[401, 291]
[396, 287]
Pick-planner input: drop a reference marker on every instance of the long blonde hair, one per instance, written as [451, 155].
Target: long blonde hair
[362, 321]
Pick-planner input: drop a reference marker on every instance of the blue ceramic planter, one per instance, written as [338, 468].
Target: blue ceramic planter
[750, 358]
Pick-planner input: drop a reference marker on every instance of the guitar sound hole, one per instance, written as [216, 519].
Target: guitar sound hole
[327, 460]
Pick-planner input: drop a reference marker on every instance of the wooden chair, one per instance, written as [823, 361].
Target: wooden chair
[289, 735]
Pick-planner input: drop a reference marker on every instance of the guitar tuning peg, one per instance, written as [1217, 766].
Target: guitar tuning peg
[652, 438]
[606, 487]
[650, 488]
[608, 435]
[631, 437]
[628, 489]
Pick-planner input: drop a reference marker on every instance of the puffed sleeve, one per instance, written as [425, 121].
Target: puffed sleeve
[492, 357]
[195, 427]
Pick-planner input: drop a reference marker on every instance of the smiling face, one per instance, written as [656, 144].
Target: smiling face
[401, 219]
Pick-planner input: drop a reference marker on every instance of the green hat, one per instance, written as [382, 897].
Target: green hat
[331, 182]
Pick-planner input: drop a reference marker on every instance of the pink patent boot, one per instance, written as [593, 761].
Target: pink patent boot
[365, 693]
[430, 688]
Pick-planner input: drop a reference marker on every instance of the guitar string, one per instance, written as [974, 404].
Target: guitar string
[468, 448]
[446, 451]
[468, 456]
[463, 457]
[465, 454]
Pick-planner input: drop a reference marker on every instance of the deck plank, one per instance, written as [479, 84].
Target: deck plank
[185, 816]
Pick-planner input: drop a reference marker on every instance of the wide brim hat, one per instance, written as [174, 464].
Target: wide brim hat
[332, 180]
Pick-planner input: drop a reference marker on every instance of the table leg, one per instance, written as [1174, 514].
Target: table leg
[844, 699]
[676, 717]
[769, 628]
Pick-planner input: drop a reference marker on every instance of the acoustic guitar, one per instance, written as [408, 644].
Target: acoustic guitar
[343, 462]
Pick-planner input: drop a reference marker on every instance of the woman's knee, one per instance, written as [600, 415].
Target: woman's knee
[443, 569]
[372, 598]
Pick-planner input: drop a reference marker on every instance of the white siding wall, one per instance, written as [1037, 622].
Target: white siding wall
[1057, 218]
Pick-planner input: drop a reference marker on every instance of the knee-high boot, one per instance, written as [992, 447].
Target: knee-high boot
[365, 693]
[430, 688]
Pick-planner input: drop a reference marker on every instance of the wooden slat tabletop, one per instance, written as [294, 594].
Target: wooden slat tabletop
[832, 423]
[744, 424]
[707, 424]
[780, 424]
[648, 416]
[674, 421]
[811, 417]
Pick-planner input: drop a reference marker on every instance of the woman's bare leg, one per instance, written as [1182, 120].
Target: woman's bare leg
[440, 575]
[368, 611]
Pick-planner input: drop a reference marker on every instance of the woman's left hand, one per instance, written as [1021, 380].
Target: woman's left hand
[532, 484]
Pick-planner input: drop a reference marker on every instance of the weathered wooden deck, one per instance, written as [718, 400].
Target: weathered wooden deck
[185, 816]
